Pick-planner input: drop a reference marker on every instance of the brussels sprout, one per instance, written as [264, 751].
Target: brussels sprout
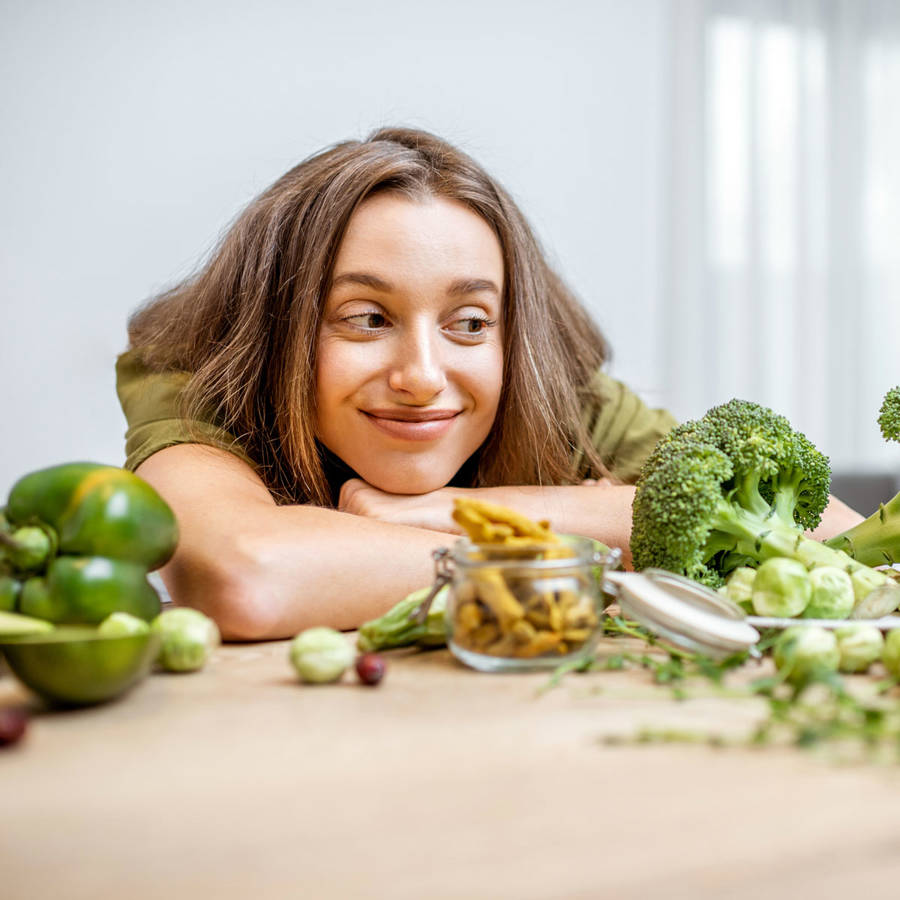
[122, 624]
[321, 654]
[859, 646]
[739, 587]
[187, 639]
[781, 588]
[874, 604]
[832, 594]
[802, 650]
[890, 655]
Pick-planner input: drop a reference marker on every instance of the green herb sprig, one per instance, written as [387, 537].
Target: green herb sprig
[818, 711]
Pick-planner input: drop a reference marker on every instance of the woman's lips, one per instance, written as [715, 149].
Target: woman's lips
[412, 425]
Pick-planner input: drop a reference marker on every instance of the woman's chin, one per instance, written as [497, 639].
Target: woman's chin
[407, 482]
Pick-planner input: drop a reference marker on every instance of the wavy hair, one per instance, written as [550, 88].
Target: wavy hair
[246, 324]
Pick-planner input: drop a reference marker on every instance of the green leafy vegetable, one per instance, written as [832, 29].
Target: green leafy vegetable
[734, 488]
[876, 541]
[889, 415]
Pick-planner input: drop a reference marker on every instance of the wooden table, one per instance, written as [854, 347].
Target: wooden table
[239, 782]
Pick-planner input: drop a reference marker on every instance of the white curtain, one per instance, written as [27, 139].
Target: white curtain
[783, 231]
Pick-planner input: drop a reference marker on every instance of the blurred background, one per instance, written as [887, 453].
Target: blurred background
[718, 181]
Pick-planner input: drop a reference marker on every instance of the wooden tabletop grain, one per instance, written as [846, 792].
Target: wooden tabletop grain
[239, 782]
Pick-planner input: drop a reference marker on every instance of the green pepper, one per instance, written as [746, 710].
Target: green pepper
[109, 528]
[10, 588]
[97, 510]
[86, 589]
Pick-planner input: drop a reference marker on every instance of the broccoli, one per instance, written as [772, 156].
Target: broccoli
[889, 416]
[876, 540]
[735, 488]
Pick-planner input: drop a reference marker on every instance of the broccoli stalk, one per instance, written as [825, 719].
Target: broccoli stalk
[876, 541]
[734, 488]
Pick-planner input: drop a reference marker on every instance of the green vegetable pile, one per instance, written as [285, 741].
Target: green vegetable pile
[77, 541]
[726, 500]
[739, 487]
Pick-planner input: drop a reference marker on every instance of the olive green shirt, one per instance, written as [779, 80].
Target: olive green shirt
[623, 429]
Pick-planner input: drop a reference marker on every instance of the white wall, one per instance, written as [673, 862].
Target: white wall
[132, 133]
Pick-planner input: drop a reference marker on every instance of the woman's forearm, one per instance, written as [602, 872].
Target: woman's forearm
[266, 571]
[303, 566]
[599, 510]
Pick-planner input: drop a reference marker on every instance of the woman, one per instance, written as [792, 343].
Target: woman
[376, 333]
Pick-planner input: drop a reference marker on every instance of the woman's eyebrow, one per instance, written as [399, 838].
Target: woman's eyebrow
[472, 286]
[362, 278]
[458, 288]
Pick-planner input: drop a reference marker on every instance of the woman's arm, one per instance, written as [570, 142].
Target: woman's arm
[597, 509]
[267, 571]
[601, 510]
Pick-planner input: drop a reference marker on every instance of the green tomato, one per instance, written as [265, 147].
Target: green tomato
[803, 650]
[859, 646]
[320, 655]
[122, 624]
[781, 588]
[832, 594]
[890, 655]
[739, 587]
[187, 639]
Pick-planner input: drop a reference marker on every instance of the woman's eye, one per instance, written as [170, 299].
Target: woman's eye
[473, 325]
[369, 321]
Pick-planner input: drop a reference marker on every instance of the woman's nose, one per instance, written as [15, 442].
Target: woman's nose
[418, 370]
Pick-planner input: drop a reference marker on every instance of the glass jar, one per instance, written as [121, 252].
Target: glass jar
[526, 606]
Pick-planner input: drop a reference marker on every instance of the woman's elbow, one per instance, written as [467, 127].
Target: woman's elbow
[234, 589]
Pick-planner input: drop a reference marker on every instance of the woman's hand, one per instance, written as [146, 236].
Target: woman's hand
[597, 509]
[432, 510]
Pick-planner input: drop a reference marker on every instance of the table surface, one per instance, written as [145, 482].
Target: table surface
[441, 782]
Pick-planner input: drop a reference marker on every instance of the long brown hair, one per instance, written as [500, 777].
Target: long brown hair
[246, 324]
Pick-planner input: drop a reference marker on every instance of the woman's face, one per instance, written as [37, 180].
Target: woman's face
[410, 356]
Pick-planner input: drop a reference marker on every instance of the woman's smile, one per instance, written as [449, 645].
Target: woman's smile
[412, 424]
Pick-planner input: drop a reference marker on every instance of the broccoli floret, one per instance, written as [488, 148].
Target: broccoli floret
[736, 487]
[876, 541]
[889, 416]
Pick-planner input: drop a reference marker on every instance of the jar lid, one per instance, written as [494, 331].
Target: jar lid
[688, 614]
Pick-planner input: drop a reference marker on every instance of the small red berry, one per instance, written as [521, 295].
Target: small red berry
[13, 723]
[370, 668]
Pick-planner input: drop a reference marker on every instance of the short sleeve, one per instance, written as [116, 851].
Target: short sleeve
[623, 429]
[150, 402]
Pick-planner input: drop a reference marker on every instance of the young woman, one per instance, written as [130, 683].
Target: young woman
[376, 333]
